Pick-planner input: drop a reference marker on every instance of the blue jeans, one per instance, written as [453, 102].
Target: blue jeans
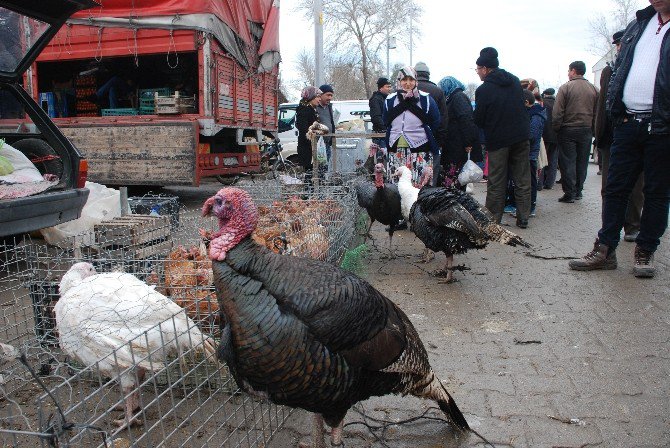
[634, 151]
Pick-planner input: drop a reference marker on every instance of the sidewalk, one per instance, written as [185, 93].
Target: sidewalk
[525, 345]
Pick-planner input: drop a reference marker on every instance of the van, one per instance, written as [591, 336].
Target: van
[343, 111]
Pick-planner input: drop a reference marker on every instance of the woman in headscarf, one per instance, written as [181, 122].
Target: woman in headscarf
[412, 119]
[462, 136]
[305, 116]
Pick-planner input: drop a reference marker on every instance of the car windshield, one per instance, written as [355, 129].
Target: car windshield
[286, 115]
[18, 33]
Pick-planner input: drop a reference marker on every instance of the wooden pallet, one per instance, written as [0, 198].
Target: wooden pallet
[135, 236]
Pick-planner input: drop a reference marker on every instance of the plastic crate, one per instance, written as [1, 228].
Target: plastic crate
[149, 93]
[117, 112]
[163, 205]
[147, 110]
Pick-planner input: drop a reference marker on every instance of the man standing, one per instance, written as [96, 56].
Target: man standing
[548, 175]
[428, 86]
[603, 136]
[638, 101]
[376, 109]
[572, 119]
[326, 117]
[501, 113]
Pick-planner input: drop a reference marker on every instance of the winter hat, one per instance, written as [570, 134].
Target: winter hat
[381, 82]
[616, 37]
[488, 57]
[548, 91]
[448, 84]
[326, 88]
[421, 67]
[309, 93]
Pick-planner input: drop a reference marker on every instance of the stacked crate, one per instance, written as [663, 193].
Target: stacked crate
[85, 86]
[147, 99]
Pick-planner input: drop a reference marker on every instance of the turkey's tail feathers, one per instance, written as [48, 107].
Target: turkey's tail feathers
[498, 233]
[448, 406]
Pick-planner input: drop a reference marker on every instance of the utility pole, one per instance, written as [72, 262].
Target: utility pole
[318, 42]
[390, 45]
[411, 41]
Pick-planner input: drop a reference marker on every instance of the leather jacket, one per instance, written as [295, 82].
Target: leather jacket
[660, 113]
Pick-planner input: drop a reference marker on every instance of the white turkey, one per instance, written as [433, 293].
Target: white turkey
[308, 334]
[101, 313]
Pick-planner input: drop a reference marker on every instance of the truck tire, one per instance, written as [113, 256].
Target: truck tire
[43, 156]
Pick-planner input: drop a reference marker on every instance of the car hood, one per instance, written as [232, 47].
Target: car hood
[26, 27]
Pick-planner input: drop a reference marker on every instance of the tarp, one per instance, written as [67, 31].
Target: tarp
[236, 16]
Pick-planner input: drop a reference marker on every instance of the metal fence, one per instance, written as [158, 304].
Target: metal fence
[185, 400]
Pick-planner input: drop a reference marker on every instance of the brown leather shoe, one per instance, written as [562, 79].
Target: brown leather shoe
[644, 263]
[601, 257]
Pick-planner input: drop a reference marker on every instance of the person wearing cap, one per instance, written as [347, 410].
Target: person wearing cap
[501, 113]
[547, 177]
[604, 136]
[573, 119]
[638, 102]
[376, 102]
[325, 110]
[411, 118]
[428, 86]
[305, 116]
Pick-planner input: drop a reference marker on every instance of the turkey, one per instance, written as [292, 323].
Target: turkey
[99, 313]
[382, 202]
[307, 334]
[408, 192]
[452, 221]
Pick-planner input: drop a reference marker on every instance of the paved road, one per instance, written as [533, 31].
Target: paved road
[526, 345]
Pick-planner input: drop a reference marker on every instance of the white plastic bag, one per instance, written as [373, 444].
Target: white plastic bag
[102, 204]
[24, 170]
[470, 173]
[321, 154]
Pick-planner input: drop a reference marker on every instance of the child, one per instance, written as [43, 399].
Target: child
[538, 116]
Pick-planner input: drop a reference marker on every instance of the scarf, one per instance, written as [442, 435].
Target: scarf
[448, 84]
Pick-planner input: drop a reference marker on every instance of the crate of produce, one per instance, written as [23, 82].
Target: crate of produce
[156, 205]
[118, 112]
[175, 104]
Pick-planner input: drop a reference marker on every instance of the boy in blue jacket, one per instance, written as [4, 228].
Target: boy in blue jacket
[538, 116]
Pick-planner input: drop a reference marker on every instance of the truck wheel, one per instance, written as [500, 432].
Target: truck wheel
[43, 156]
[228, 180]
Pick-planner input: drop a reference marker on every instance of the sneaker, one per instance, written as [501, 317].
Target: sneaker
[567, 199]
[631, 237]
[510, 209]
[532, 213]
[601, 257]
[644, 263]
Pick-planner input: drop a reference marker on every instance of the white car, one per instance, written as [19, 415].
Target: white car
[345, 113]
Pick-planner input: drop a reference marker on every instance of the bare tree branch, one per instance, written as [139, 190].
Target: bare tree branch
[604, 25]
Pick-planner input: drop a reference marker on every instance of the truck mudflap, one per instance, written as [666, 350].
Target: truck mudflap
[129, 152]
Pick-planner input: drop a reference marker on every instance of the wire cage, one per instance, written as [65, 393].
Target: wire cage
[185, 397]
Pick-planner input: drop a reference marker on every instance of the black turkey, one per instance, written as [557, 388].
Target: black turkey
[452, 221]
[381, 200]
[308, 334]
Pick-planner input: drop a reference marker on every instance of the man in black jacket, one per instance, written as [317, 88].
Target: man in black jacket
[638, 101]
[428, 86]
[376, 102]
[548, 176]
[500, 111]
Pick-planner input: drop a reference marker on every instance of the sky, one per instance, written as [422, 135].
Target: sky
[536, 38]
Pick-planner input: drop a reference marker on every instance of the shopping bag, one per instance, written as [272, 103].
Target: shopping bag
[470, 173]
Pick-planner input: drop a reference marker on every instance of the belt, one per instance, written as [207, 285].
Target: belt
[639, 117]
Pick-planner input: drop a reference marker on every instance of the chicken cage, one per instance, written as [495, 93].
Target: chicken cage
[50, 398]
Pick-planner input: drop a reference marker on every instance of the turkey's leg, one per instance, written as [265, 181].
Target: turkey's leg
[132, 402]
[427, 255]
[336, 435]
[317, 433]
[449, 269]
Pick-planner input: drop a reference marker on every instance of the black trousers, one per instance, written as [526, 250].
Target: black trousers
[574, 147]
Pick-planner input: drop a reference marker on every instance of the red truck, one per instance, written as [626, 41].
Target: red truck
[194, 82]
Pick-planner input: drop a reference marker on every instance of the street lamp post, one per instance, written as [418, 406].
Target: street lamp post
[390, 45]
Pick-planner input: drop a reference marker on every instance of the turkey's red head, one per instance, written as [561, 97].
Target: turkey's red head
[379, 175]
[237, 215]
[426, 176]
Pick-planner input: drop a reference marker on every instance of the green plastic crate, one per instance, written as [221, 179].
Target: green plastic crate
[147, 110]
[117, 112]
[149, 93]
